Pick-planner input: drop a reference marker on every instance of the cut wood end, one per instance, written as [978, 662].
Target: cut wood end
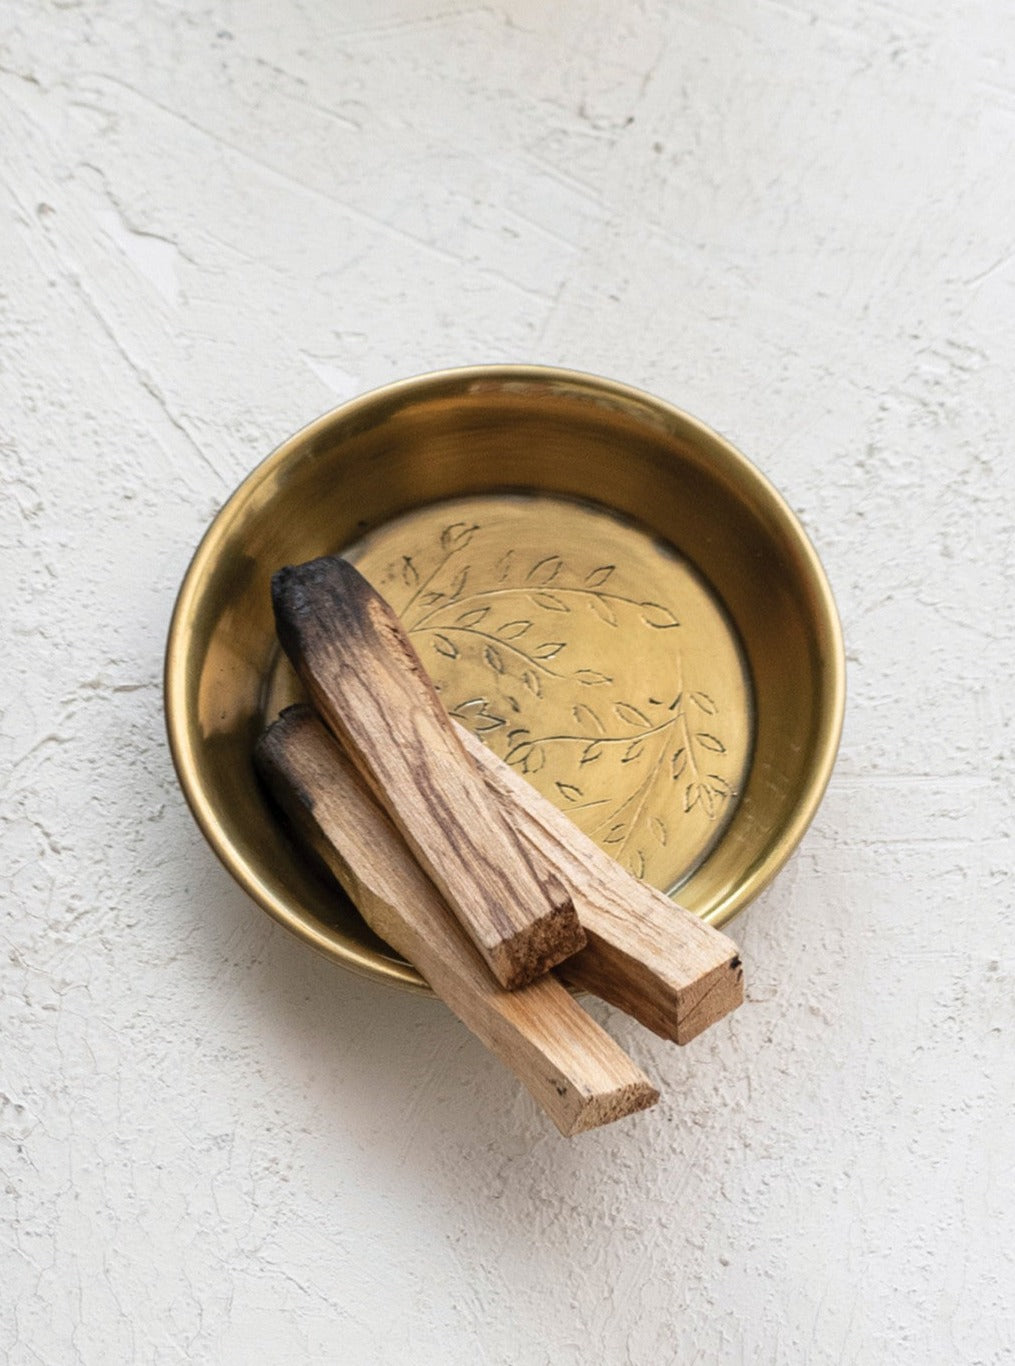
[669, 1004]
[606, 1107]
[714, 996]
[540, 946]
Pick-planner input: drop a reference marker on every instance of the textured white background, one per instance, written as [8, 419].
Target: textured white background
[216, 220]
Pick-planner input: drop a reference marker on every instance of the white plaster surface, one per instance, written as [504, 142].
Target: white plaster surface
[216, 220]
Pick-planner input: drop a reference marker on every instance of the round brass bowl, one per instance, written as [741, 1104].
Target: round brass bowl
[600, 585]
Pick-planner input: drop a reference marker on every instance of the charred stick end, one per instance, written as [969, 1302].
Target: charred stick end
[318, 600]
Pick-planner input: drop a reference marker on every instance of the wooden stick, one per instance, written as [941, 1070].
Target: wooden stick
[369, 686]
[645, 954]
[576, 1072]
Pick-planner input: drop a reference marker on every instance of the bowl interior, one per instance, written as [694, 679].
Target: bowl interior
[475, 435]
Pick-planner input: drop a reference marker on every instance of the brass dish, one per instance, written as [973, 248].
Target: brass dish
[602, 587]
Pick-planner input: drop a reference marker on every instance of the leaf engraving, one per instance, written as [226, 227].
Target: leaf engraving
[603, 610]
[550, 602]
[659, 617]
[457, 588]
[710, 742]
[493, 658]
[503, 566]
[549, 649]
[445, 647]
[631, 715]
[587, 718]
[458, 535]
[545, 570]
[529, 756]
[476, 713]
[595, 578]
[511, 630]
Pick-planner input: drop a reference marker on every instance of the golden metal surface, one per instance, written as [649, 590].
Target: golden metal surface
[604, 589]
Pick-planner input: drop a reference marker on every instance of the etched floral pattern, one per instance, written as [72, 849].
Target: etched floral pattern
[514, 629]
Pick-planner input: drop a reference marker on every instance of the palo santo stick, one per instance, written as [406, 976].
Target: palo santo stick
[571, 1066]
[656, 961]
[645, 954]
[369, 686]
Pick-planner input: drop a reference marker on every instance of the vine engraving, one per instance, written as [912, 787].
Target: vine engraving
[516, 632]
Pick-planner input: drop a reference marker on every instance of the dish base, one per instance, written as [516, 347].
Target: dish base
[584, 651]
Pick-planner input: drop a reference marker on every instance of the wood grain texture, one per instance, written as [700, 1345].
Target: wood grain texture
[571, 1066]
[372, 691]
[645, 954]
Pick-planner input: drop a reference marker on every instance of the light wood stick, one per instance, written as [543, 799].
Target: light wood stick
[369, 686]
[645, 954]
[575, 1071]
